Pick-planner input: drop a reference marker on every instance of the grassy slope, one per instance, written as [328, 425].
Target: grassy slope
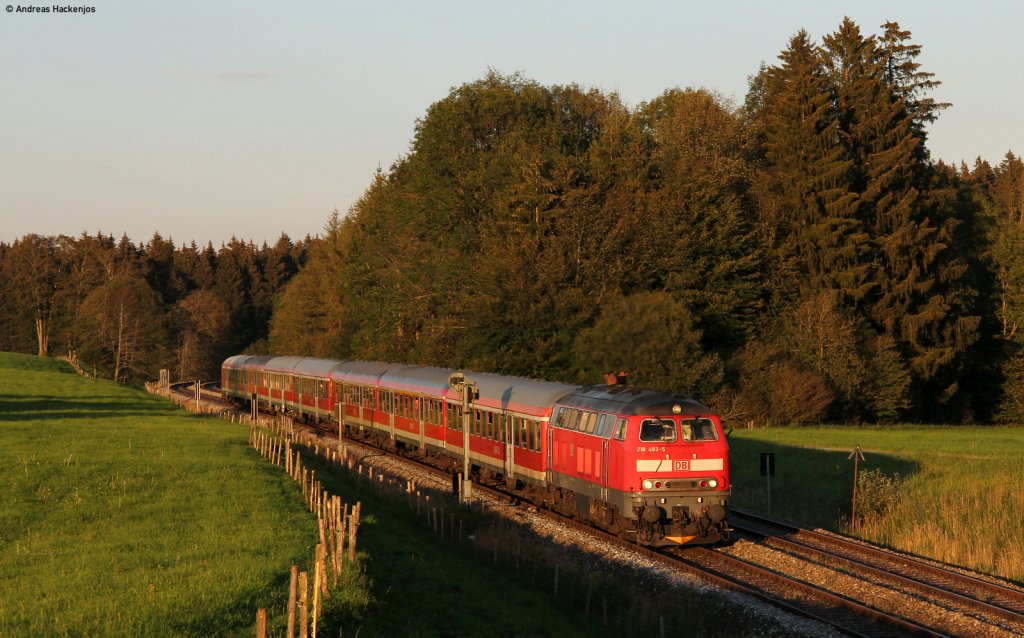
[121, 515]
[961, 498]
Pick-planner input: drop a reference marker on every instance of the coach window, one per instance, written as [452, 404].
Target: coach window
[620, 430]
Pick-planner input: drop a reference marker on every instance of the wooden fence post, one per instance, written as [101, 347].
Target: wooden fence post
[292, 594]
[261, 623]
[303, 605]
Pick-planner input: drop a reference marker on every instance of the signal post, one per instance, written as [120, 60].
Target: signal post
[468, 392]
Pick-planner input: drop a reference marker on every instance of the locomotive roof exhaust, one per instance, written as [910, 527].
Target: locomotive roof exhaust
[616, 378]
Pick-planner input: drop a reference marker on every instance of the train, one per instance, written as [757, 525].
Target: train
[642, 463]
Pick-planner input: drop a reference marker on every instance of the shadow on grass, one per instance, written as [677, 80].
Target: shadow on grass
[15, 408]
[810, 486]
[237, 617]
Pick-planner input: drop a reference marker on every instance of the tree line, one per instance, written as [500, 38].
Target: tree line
[126, 310]
[795, 259]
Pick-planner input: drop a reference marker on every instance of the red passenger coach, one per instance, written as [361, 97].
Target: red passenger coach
[636, 461]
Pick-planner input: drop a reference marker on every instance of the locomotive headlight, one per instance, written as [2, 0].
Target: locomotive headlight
[648, 484]
[713, 483]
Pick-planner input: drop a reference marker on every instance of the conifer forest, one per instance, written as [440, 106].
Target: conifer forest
[798, 258]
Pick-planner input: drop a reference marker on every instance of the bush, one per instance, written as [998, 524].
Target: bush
[877, 494]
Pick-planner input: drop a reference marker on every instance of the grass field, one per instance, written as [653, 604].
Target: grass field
[121, 515]
[959, 496]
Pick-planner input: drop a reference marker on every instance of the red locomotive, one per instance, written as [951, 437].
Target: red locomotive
[636, 461]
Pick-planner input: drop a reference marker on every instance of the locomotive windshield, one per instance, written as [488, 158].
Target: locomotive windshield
[698, 430]
[658, 430]
[664, 430]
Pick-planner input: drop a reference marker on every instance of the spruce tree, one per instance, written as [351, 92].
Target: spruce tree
[822, 242]
[918, 300]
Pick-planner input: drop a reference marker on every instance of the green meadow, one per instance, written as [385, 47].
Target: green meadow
[955, 494]
[122, 515]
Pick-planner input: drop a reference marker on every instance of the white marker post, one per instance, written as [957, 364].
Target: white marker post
[856, 455]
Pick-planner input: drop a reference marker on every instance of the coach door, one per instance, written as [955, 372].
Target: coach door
[547, 465]
[508, 435]
[604, 469]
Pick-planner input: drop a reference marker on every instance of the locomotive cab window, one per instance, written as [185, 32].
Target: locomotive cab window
[620, 430]
[662, 430]
[698, 430]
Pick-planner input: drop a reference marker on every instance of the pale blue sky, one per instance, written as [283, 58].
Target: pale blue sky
[203, 120]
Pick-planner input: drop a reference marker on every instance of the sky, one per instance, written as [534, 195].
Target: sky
[206, 120]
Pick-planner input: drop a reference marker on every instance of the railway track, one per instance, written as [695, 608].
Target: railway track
[210, 393]
[849, 614]
[997, 604]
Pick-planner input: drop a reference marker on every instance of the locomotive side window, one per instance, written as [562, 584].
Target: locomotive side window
[604, 425]
[658, 430]
[698, 430]
[558, 417]
[588, 422]
[620, 430]
[574, 420]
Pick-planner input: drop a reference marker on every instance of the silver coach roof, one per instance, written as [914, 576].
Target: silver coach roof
[518, 393]
[311, 367]
[362, 372]
[497, 391]
[430, 381]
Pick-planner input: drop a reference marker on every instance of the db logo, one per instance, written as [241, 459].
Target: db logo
[680, 466]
